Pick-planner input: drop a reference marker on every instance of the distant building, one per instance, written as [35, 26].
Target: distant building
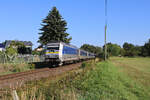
[39, 49]
[28, 44]
[2, 47]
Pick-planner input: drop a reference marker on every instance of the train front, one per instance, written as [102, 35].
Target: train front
[52, 52]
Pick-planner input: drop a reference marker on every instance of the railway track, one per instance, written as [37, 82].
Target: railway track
[16, 80]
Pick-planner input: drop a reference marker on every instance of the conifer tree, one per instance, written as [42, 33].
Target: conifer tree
[54, 28]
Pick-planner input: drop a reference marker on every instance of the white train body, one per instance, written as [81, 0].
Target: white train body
[61, 52]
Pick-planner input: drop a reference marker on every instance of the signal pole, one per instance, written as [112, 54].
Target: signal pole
[105, 29]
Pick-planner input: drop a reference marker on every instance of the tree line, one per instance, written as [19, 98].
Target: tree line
[128, 49]
[135, 50]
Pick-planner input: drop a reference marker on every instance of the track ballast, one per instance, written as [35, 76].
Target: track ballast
[16, 80]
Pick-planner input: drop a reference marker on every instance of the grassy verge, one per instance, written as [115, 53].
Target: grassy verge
[134, 66]
[93, 81]
[13, 68]
[138, 69]
[107, 83]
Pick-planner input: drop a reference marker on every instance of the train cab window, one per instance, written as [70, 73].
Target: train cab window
[52, 49]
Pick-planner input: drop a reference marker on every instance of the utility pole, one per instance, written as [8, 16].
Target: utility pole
[105, 29]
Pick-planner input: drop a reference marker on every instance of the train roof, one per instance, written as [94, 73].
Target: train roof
[63, 44]
[86, 51]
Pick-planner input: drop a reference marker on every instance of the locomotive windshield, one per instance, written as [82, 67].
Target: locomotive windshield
[52, 49]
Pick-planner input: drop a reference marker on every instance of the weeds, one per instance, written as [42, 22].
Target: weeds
[90, 82]
[13, 68]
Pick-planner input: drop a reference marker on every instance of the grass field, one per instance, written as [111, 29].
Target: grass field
[136, 68]
[116, 79]
[110, 81]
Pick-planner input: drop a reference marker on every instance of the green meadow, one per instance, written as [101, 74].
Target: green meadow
[115, 79]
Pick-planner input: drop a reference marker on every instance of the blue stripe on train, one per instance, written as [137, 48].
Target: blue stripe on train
[70, 50]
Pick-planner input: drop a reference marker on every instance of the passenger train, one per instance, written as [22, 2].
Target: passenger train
[60, 52]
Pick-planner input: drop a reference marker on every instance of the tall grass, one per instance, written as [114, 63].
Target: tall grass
[138, 69]
[101, 81]
[19, 59]
[107, 83]
[13, 68]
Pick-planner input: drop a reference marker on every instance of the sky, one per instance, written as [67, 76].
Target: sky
[128, 20]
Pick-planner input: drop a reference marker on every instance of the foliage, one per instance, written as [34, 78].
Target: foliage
[16, 44]
[107, 83]
[132, 50]
[22, 67]
[54, 28]
[129, 49]
[18, 47]
[113, 49]
[146, 49]
[19, 59]
[24, 50]
[34, 52]
[11, 51]
[93, 49]
[122, 52]
[1, 52]
[101, 81]
[13, 68]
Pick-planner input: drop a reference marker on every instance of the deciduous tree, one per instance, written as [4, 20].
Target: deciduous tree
[93, 49]
[113, 49]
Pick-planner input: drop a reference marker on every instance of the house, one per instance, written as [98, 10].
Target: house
[39, 48]
[28, 46]
[2, 47]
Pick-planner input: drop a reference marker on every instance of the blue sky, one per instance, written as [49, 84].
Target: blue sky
[128, 20]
